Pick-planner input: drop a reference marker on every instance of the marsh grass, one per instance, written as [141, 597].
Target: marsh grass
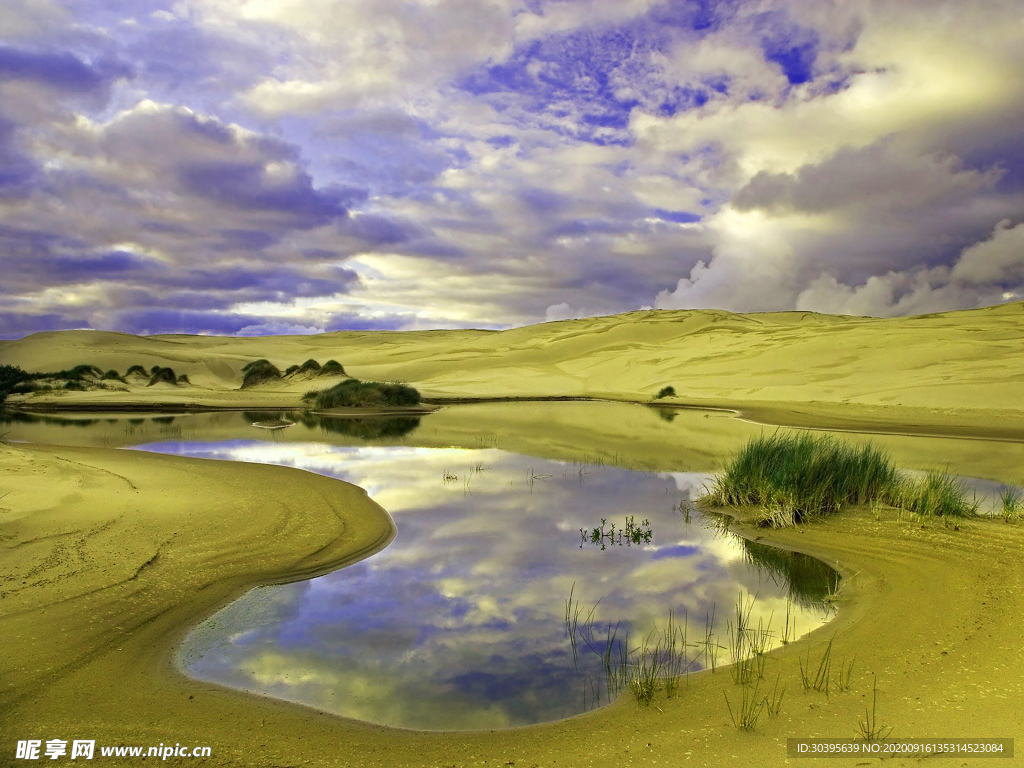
[793, 478]
[774, 700]
[661, 661]
[844, 680]
[748, 710]
[869, 728]
[1012, 507]
[821, 679]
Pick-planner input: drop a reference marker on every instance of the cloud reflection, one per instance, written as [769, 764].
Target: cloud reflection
[459, 623]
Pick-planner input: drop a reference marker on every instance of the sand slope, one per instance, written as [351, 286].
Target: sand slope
[943, 367]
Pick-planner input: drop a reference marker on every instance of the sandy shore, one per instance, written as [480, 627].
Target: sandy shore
[933, 614]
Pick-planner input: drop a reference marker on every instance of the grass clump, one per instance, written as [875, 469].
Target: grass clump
[183, 379]
[748, 710]
[1012, 509]
[259, 372]
[160, 375]
[353, 393]
[795, 477]
[665, 392]
[112, 375]
[937, 494]
[331, 368]
[136, 369]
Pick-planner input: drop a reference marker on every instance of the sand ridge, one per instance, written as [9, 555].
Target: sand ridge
[940, 368]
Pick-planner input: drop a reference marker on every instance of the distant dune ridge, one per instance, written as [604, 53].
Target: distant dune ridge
[960, 360]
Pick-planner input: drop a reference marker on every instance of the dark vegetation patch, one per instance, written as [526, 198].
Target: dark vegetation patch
[259, 372]
[353, 393]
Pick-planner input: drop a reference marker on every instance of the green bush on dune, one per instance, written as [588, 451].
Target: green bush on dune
[795, 477]
[162, 376]
[259, 372]
[10, 377]
[353, 393]
[331, 368]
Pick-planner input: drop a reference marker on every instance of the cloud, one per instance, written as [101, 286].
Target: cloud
[501, 162]
[988, 272]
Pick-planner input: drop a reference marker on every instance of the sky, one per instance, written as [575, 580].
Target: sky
[253, 167]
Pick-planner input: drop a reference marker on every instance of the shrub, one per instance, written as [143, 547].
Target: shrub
[258, 372]
[74, 385]
[10, 377]
[77, 373]
[112, 375]
[162, 375]
[331, 368]
[311, 365]
[665, 392]
[136, 369]
[310, 396]
[290, 370]
[183, 379]
[353, 393]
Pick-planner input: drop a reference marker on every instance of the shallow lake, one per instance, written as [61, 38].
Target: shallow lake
[461, 622]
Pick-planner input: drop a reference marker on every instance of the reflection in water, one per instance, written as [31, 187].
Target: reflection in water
[809, 580]
[460, 622]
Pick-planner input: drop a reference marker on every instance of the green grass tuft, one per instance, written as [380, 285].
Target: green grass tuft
[136, 369]
[665, 392]
[795, 477]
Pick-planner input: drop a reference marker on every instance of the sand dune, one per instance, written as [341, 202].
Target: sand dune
[947, 366]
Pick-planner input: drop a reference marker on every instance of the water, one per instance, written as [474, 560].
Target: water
[460, 622]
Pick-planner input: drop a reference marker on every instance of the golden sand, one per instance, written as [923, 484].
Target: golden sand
[110, 556]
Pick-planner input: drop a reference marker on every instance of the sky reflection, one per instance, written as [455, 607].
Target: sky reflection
[459, 623]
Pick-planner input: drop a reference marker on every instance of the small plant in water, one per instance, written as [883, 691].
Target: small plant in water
[631, 533]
